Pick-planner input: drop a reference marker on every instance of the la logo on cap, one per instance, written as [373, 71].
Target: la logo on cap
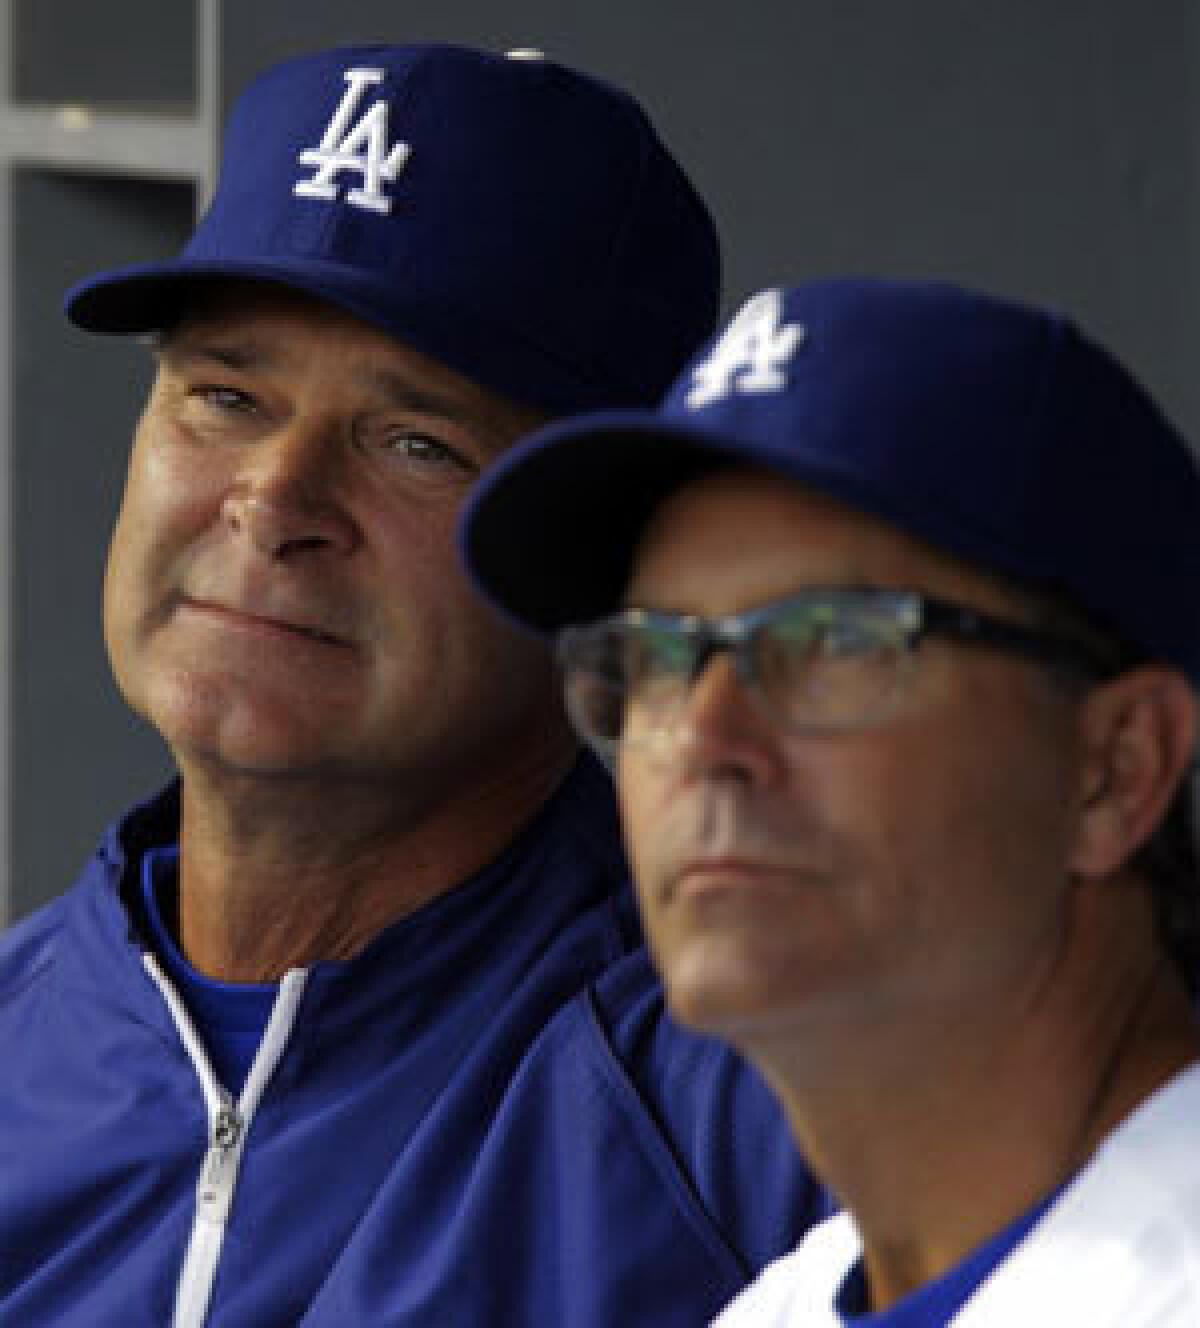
[751, 355]
[361, 147]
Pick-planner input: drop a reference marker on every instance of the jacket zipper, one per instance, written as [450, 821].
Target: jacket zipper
[228, 1125]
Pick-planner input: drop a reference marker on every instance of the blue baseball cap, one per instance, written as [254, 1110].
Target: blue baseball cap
[995, 432]
[517, 220]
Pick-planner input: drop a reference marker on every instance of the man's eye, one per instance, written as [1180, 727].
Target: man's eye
[228, 400]
[654, 654]
[419, 448]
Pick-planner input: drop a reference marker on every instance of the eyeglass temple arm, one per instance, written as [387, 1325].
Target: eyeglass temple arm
[941, 619]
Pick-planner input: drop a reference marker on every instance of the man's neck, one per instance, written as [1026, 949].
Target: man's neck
[936, 1137]
[283, 873]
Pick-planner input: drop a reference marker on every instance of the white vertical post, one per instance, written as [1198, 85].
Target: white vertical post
[208, 94]
[6, 486]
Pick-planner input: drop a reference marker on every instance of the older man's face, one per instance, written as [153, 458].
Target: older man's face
[856, 874]
[283, 596]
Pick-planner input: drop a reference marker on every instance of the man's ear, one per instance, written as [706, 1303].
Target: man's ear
[1137, 735]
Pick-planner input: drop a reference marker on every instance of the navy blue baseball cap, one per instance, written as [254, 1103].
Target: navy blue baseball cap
[515, 219]
[995, 432]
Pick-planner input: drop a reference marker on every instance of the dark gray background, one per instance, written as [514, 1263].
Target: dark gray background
[1044, 150]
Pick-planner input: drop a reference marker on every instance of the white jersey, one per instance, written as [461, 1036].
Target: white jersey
[1120, 1248]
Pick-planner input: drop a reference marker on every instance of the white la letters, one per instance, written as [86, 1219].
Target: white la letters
[750, 357]
[361, 147]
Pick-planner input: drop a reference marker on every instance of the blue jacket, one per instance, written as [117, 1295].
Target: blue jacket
[486, 1119]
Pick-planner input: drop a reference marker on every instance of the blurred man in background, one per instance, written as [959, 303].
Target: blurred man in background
[888, 622]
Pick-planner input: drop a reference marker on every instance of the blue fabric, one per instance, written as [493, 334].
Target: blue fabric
[230, 1017]
[964, 420]
[935, 1304]
[484, 1119]
[538, 238]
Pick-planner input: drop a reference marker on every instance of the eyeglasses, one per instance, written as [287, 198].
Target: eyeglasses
[818, 662]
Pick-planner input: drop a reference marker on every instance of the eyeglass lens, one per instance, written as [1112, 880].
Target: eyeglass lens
[821, 663]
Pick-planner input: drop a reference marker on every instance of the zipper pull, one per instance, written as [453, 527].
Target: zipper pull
[227, 1128]
[215, 1190]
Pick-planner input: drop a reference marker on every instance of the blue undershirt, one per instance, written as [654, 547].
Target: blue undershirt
[230, 1017]
[936, 1303]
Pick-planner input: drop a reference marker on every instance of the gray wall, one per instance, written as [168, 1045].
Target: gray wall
[1044, 150]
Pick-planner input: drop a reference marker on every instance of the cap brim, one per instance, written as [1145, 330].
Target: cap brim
[152, 297]
[550, 532]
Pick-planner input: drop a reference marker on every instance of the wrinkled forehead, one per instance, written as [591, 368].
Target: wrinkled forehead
[271, 328]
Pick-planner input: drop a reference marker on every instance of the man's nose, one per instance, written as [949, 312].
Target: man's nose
[723, 727]
[286, 496]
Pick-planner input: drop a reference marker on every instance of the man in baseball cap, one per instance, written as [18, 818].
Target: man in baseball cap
[887, 622]
[352, 1025]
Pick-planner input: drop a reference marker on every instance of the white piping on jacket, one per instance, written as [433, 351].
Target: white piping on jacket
[228, 1126]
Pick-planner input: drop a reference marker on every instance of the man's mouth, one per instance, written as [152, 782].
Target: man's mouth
[268, 622]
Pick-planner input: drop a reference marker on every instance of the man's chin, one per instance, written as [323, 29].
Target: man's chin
[259, 753]
[719, 999]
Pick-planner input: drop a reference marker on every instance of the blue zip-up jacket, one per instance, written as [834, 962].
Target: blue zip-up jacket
[486, 1119]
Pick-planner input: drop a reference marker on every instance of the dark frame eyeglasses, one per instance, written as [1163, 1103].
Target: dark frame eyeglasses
[822, 660]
